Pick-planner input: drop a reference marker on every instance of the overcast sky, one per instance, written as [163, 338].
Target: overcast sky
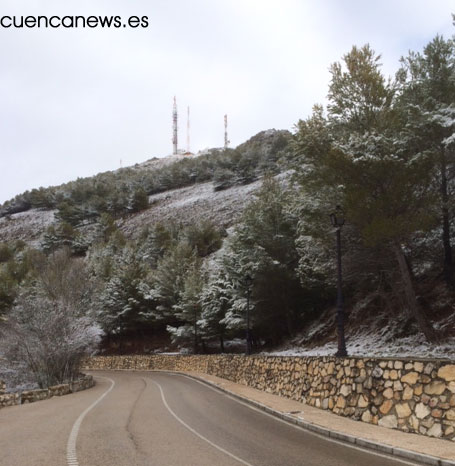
[74, 102]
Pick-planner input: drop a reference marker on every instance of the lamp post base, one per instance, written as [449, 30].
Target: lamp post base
[248, 343]
[341, 353]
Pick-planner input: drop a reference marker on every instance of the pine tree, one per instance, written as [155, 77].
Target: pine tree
[365, 164]
[216, 299]
[188, 309]
[427, 97]
[125, 302]
[263, 246]
[169, 279]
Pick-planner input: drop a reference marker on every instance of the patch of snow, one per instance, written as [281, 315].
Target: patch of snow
[158, 162]
[192, 204]
[26, 226]
[379, 345]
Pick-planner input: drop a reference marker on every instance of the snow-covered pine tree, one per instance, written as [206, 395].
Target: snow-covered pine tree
[427, 97]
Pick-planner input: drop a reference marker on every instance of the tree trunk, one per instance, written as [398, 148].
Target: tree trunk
[448, 259]
[222, 343]
[413, 306]
[195, 342]
[289, 326]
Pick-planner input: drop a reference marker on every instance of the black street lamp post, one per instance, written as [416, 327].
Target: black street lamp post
[337, 219]
[248, 284]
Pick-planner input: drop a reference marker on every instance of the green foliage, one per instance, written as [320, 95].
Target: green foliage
[6, 253]
[223, 178]
[365, 157]
[64, 235]
[155, 241]
[139, 200]
[8, 290]
[216, 300]
[170, 276]
[426, 100]
[263, 246]
[155, 281]
[358, 92]
[188, 309]
[358, 157]
[124, 295]
[69, 213]
[203, 237]
[107, 226]
[386, 196]
[18, 264]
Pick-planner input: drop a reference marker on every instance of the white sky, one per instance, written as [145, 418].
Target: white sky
[75, 102]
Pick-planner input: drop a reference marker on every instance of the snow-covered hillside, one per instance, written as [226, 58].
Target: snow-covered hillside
[26, 226]
[377, 344]
[185, 205]
[192, 204]
[376, 334]
[158, 162]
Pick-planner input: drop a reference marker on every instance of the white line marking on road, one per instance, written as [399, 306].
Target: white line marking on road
[71, 456]
[329, 439]
[214, 445]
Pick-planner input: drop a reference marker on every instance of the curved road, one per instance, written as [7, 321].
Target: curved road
[162, 419]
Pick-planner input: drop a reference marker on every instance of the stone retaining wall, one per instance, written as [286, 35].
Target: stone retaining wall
[9, 399]
[409, 395]
[30, 396]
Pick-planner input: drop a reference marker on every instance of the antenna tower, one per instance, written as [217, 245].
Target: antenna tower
[188, 132]
[174, 128]
[226, 140]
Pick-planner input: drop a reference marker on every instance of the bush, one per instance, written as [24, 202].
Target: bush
[46, 340]
[50, 328]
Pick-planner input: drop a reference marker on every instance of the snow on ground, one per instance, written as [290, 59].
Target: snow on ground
[156, 163]
[369, 333]
[159, 162]
[26, 226]
[192, 204]
[378, 345]
[195, 203]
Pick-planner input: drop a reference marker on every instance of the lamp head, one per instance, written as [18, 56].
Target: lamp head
[337, 218]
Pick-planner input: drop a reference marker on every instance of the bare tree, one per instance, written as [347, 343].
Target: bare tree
[50, 328]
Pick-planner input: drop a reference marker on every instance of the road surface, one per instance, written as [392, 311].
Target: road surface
[162, 419]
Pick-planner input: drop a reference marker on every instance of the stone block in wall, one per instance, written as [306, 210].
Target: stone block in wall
[30, 396]
[59, 390]
[9, 399]
[85, 382]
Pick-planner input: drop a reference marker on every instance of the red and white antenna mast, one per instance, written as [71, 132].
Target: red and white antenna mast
[226, 140]
[188, 132]
[174, 128]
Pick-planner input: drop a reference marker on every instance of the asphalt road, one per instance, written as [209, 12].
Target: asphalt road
[162, 419]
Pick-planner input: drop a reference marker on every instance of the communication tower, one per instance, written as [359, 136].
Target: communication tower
[226, 140]
[174, 128]
[188, 132]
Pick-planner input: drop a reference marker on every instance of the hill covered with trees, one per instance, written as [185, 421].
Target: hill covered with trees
[168, 248]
